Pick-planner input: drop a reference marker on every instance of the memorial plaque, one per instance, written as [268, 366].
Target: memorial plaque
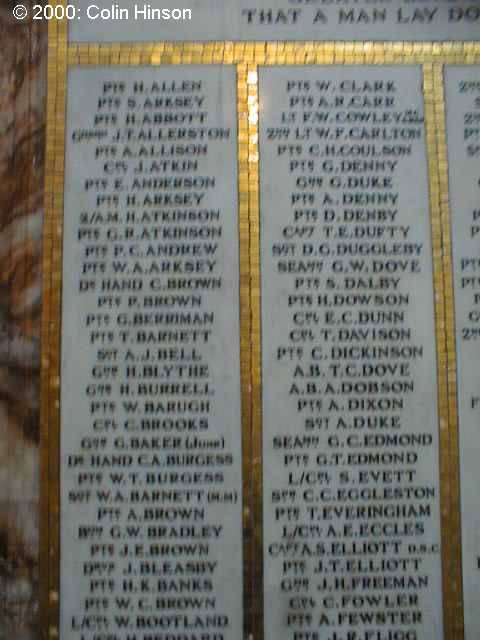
[249, 392]
[462, 88]
[151, 444]
[206, 20]
[351, 491]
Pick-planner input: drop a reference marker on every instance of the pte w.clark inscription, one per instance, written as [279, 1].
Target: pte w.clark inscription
[462, 89]
[350, 427]
[151, 454]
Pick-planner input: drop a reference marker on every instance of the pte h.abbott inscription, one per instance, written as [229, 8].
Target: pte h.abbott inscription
[151, 455]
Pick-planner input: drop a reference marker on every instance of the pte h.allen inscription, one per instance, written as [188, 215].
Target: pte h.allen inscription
[151, 454]
[462, 89]
[350, 426]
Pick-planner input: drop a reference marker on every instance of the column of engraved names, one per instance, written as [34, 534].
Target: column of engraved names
[350, 444]
[151, 499]
[462, 88]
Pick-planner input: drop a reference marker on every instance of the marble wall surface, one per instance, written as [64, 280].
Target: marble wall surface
[22, 130]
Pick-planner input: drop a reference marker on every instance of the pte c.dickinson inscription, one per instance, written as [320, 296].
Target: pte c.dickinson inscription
[151, 455]
[351, 511]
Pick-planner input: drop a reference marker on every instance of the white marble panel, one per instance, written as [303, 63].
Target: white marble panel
[350, 426]
[151, 455]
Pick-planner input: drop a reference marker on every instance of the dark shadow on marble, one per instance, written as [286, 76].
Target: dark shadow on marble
[22, 133]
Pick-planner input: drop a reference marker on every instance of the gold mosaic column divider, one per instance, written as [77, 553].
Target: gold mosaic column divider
[447, 520]
[44, 556]
[458, 630]
[455, 540]
[465, 54]
[243, 113]
[50, 331]
[256, 349]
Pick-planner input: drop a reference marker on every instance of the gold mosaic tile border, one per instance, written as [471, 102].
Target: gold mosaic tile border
[451, 581]
[52, 310]
[268, 53]
[431, 57]
[454, 527]
[50, 331]
[247, 56]
[245, 330]
[256, 350]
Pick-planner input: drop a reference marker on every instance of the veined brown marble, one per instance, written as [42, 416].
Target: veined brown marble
[22, 128]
